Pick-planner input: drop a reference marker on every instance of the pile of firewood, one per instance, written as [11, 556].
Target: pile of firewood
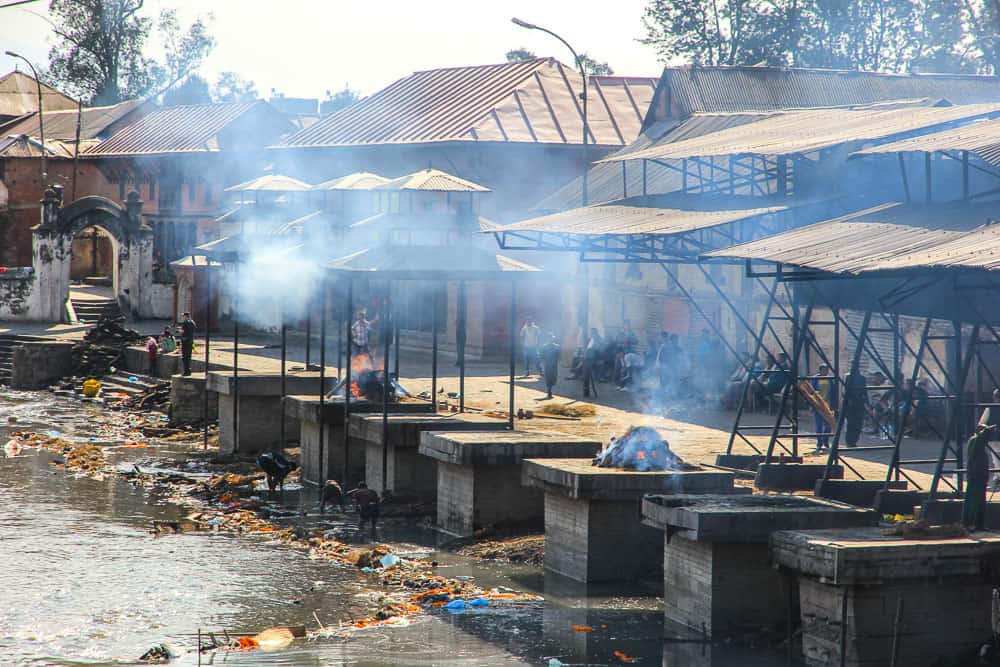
[153, 397]
[102, 347]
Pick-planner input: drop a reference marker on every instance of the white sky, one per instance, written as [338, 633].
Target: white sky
[305, 47]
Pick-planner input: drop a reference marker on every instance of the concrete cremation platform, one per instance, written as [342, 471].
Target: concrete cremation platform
[592, 527]
[933, 596]
[479, 475]
[717, 573]
[259, 407]
[304, 409]
[407, 471]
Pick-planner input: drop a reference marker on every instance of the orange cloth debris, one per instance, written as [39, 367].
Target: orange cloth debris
[582, 628]
[247, 643]
[624, 657]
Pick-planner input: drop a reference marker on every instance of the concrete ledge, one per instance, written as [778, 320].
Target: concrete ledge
[793, 476]
[503, 448]
[749, 461]
[187, 400]
[949, 510]
[405, 429]
[747, 518]
[577, 478]
[268, 384]
[306, 407]
[860, 492]
[897, 502]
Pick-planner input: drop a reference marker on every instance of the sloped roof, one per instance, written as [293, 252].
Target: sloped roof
[870, 240]
[738, 89]
[194, 129]
[271, 183]
[361, 180]
[95, 122]
[981, 137]
[432, 180]
[670, 214]
[19, 96]
[798, 132]
[535, 101]
[22, 145]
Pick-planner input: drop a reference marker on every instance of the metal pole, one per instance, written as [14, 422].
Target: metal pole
[284, 356]
[513, 351]
[462, 315]
[236, 359]
[208, 339]
[349, 312]
[308, 331]
[927, 177]
[322, 383]
[395, 339]
[76, 147]
[387, 330]
[906, 181]
[41, 124]
[965, 174]
[435, 304]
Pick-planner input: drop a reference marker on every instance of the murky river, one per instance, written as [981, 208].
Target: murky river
[83, 581]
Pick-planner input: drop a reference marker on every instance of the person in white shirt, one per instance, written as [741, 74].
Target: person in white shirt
[530, 338]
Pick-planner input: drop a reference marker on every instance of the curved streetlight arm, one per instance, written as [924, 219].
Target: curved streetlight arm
[583, 96]
[41, 125]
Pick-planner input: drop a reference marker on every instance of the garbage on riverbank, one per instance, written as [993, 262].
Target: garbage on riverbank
[102, 347]
[527, 549]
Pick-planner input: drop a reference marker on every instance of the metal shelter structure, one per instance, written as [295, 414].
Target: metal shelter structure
[936, 272]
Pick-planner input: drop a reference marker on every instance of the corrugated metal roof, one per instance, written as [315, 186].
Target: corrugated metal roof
[271, 183]
[670, 214]
[432, 180]
[798, 132]
[430, 262]
[19, 96]
[978, 249]
[361, 180]
[189, 129]
[605, 182]
[25, 146]
[535, 101]
[981, 137]
[95, 122]
[736, 89]
[869, 240]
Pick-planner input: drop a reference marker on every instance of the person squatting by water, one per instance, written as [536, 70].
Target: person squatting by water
[531, 337]
[368, 504]
[187, 341]
[550, 363]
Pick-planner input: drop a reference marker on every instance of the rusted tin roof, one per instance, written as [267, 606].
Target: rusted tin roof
[201, 128]
[535, 101]
[24, 146]
[886, 237]
[19, 96]
[981, 138]
[361, 180]
[432, 180]
[95, 122]
[799, 132]
[430, 262]
[738, 89]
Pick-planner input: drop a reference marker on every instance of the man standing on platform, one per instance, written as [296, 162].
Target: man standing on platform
[187, 342]
[550, 363]
[977, 475]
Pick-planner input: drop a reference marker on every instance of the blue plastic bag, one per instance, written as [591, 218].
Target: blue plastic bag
[388, 560]
[479, 602]
[456, 605]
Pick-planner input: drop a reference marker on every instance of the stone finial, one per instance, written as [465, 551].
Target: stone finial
[133, 205]
[51, 203]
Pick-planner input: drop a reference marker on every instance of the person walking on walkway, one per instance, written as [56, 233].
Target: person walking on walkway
[550, 363]
[823, 384]
[590, 355]
[187, 342]
[530, 338]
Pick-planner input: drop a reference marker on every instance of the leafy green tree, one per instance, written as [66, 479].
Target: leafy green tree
[520, 55]
[231, 87]
[193, 90]
[591, 66]
[100, 53]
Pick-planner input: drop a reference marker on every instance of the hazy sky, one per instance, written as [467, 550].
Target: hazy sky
[305, 47]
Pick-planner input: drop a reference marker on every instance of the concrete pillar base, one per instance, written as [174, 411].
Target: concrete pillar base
[474, 497]
[940, 620]
[259, 425]
[333, 455]
[592, 540]
[187, 400]
[408, 471]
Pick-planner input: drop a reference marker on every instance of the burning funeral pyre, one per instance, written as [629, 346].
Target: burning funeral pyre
[640, 448]
[367, 382]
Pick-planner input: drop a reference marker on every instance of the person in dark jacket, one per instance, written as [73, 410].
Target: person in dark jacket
[855, 402]
[977, 476]
[187, 341]
[550, 363]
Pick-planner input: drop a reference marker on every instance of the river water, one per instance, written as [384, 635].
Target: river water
[83, 581]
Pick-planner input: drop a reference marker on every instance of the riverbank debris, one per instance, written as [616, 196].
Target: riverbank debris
[525, 549]
[157, 655]
[102, 347]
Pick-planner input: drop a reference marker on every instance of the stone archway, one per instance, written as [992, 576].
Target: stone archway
[52, 250]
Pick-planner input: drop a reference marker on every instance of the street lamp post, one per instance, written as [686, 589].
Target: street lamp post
[583, 96]
[41, 125]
